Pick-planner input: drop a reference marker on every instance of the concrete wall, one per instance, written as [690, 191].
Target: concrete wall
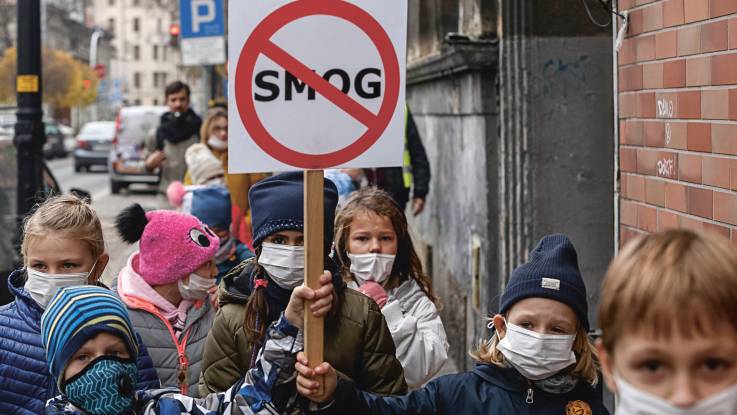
[677, 117]
[519, 133]
[456, 117]
[572, 148]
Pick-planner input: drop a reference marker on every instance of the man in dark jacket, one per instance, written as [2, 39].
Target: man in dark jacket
[178, 129]
[414, 174]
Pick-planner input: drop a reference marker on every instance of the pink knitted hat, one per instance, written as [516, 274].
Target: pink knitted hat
[172, 245]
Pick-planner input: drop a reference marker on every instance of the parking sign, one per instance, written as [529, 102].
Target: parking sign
[203, 32]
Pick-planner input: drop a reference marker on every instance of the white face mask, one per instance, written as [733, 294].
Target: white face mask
[197, 287]
[217, 143]
[285, 264]
[42, 286]
[631, 401]
[371, 267]
[537, 356]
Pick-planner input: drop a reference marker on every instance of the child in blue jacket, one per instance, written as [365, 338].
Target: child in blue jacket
[62, 246]
[539, 360]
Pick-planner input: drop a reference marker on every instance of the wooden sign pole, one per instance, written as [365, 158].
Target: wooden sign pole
[314, 238]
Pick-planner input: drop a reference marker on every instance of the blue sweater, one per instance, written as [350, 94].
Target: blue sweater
[25, 381]
[488, 390]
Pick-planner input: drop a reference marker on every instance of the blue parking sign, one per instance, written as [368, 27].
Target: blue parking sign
[201, 18]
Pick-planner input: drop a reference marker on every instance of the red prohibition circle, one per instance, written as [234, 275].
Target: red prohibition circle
[259, 41]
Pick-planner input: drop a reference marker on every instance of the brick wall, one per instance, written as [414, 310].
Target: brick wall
[678, 116]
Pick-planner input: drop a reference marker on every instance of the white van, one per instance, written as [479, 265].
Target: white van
[134, 129]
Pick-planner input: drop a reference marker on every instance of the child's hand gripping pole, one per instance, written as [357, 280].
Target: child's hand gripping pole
[314, 218]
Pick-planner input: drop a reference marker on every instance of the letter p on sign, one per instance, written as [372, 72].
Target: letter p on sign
[198, 17]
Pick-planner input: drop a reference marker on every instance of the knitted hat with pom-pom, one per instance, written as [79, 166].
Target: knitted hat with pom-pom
[172, 245]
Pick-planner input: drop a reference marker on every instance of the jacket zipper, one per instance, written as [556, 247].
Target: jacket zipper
[530, 396]
[182, 373]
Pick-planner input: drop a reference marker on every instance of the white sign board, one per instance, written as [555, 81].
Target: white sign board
[317, 84]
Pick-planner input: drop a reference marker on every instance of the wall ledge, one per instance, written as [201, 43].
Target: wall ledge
[456, 57]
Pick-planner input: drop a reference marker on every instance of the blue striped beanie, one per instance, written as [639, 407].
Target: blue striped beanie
[77, 314]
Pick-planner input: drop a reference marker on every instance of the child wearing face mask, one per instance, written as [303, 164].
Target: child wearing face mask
[166, 285]
[62, 246]
[538, 361]
[214, 134]
[668, 315]
[357, 340]
[92, 360]
[211, 205]
[375, 253]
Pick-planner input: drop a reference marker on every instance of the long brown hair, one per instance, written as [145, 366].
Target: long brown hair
[257, 306]
[371, 200]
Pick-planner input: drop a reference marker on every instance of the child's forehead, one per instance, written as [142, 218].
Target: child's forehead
[56, 245]
[699, 327]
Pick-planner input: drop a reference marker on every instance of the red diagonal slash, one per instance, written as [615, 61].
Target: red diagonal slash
[315, 81]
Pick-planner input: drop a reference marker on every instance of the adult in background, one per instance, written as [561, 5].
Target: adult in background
[178, 129]
[214, 134]
[414, 173]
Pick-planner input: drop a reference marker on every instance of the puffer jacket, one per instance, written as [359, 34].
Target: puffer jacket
[487, 390]
[357, 340]
[177, 359]
[25, 382]
[417, 330]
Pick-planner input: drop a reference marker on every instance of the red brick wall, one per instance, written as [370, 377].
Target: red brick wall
[678, 116]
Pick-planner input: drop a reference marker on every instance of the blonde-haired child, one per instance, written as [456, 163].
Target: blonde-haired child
[540, 360]
[62, 246]
[668, 315]
[375, 252]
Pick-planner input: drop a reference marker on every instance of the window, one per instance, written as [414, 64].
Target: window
[163, 50]
[159, 26]
[136, 24]
[155, 52]
[137, 101]
[111, 2]
[111, 25]
[136, 52]
[137, 80]
[156, 101]
[136, 2]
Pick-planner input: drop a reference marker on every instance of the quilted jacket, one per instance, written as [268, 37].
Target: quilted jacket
[25, 382]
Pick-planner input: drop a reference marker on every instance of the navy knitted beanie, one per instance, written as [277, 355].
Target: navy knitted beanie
[552, 272]
[277, 204]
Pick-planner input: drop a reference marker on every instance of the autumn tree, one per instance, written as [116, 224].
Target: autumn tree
[67, 82]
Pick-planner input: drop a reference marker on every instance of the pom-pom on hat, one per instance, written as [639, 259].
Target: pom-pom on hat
[210, 204]
[202, 165]
[277, 204]
[172, 245]
[552, 272]
[77, 314]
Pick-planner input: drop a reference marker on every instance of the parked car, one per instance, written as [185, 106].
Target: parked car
[94, 142]
[134, 127]
[69, 141]
[54, 146]
[9, 258]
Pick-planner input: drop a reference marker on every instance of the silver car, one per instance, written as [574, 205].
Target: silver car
[93, 145]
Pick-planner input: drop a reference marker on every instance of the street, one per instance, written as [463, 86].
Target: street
[107, 205]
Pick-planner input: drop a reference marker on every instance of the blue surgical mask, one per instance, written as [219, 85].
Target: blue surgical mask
[104, 387]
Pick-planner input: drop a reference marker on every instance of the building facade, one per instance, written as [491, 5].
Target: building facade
[677, 111]
[145, 59]
[514, 102]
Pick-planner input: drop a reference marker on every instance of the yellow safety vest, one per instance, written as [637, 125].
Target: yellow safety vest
[407, 163]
